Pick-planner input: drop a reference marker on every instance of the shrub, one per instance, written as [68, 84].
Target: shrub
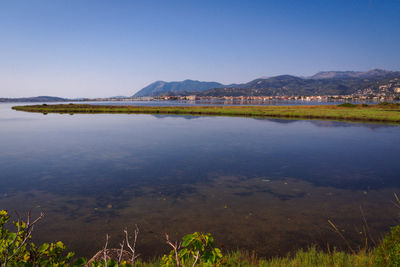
[195, 248]
[17, 249]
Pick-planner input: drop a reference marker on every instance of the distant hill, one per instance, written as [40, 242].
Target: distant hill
[173, 88]
[34, 99]
[351, 74]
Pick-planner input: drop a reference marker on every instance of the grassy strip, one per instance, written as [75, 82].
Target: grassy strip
[311, 257]
[375, 113]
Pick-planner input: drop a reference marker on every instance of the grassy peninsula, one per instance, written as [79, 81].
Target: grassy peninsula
[383, 112]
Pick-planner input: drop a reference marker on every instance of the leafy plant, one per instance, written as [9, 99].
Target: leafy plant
[194, 248]
[17, 249]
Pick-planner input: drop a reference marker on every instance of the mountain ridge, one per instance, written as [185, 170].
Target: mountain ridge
[35, 99]
[158, 88]
[350, 74]
[321, 83]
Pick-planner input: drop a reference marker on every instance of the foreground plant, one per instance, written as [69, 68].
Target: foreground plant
[17, 249]
[388, 252]
[196, 248]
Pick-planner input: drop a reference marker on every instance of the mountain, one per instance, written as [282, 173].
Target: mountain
[172, 88]
[284, 85]
[34, 99]
[340, 83]
[351, 74]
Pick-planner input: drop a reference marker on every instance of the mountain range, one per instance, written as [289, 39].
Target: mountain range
[34, 99]
[322, 83]
[351, 74]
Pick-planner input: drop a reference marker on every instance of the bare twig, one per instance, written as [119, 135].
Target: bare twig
[398, 200]
[133, 246]
[340, 234]
[35, 221]
[175, 247]
[105, 251]
[121, 252]
[195, 259]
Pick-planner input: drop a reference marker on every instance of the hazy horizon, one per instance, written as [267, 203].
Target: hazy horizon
[79, 49]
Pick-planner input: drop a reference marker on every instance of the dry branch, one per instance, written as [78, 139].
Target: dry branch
[175, 247]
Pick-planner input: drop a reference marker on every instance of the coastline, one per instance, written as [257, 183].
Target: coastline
[384, 112]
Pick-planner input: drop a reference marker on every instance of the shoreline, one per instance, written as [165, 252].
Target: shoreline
[386, 113]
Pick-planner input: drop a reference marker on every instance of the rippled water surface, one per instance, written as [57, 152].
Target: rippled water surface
[258, 184]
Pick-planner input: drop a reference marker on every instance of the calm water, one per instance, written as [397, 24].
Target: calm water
[259, 184]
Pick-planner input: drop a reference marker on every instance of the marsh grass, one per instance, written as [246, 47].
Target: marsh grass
[310, 257]
[372, 113]
[302, 258]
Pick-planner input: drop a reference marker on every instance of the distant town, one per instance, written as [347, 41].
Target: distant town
[387, 92]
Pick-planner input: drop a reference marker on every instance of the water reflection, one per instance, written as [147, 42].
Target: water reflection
[319, 123]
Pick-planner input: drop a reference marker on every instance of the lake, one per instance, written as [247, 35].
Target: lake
[267, 185]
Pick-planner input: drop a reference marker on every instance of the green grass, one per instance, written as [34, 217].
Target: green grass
[311, 257]
[372, 113]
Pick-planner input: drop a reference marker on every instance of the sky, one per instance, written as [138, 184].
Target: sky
[103, 48]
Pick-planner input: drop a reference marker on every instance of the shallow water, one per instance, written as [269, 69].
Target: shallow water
[258, 184]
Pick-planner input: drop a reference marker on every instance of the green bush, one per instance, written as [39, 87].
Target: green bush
[347, 105]
[388, 252]
[195, 248]
[17, 249]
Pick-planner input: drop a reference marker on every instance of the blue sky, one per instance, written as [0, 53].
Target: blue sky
[83, 48]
